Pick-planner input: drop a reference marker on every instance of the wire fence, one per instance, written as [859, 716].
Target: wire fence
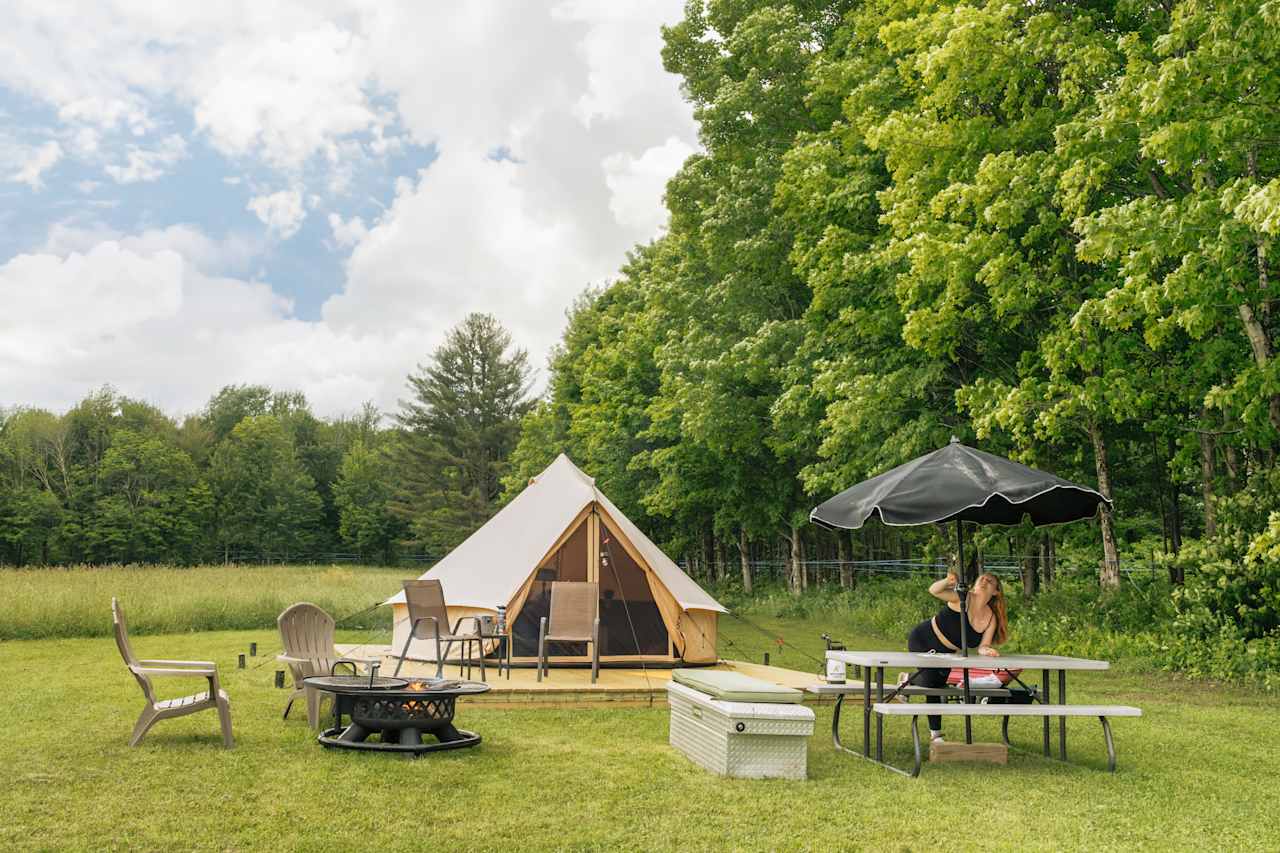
[824, 572]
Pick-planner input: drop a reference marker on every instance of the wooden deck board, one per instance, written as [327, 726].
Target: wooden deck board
[572, 687]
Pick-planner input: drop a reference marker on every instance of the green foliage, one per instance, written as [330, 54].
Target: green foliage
[266, 501]
[457, 431]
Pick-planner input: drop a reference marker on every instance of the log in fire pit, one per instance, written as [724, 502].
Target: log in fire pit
[395, 711]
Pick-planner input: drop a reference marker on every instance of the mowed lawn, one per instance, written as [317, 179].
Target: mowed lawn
[1196, 772]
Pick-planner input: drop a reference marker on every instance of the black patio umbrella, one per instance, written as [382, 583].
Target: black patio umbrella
[959, 483]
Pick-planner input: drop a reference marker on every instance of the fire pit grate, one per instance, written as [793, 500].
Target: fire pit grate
[398, 715]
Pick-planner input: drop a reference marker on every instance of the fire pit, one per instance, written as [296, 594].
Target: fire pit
[397, 711]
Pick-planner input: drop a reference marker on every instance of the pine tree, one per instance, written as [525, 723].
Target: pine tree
[457, 432]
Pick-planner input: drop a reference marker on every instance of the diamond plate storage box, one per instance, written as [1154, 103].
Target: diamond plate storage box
[747, 740]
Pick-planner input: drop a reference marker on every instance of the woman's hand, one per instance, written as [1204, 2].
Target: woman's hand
[951, 579]
[989, 651]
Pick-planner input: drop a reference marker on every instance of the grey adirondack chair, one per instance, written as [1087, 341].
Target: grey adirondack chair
[156, 710]
[306, 635]
[575, 618]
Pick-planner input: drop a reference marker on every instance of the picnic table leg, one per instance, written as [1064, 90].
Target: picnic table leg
[915, 742]
[880, 719]
[866, 717]
[1046, 699]
[835, 723]
[1111, 747]
[1062, 721]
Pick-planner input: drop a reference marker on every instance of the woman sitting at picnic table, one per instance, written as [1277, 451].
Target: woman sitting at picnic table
[987, 620]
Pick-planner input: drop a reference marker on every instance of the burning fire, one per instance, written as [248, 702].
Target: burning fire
[417, 686]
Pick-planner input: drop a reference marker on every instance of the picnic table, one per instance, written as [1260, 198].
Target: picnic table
[872, 664]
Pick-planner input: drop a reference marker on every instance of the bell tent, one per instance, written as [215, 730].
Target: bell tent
[562, 528]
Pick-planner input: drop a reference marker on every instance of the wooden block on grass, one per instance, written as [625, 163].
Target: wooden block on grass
[993, 753]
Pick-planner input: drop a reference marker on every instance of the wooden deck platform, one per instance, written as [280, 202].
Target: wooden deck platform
[567, 688]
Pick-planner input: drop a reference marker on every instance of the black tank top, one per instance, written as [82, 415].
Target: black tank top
[949, 624]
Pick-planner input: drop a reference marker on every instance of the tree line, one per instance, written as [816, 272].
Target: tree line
[1047, 229]
[256, 474]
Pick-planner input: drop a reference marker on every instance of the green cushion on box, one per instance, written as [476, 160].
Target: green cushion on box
[734, 687]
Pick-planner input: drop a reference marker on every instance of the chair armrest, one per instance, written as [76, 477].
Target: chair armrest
[159, 670]
[292, 659]
[199, 663]
[476, 619]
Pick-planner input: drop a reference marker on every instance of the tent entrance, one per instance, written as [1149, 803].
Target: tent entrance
[631, 623]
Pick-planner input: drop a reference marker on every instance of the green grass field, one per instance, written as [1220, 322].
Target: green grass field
[1195, 772]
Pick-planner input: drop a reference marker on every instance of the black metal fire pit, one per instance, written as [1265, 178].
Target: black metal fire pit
[395, 711]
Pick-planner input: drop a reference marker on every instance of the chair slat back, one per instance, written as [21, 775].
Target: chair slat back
[126, 650]
[425, 598]
[574, 605]
[306, 631]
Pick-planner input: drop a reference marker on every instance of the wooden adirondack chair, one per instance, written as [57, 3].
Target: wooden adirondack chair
[306, 635]
[575, 618]
[156, 710]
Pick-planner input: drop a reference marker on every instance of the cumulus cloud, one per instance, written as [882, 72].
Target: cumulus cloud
[35, 162]
[282, 212]
[636, 184]
[147, 164]
[347, 233]
[296, 94]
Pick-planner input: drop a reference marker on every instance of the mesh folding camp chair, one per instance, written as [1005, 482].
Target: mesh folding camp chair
[575, 618]
[154, 710]
[429, 619]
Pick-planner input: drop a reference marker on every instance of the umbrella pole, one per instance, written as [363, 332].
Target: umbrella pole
[962, 590]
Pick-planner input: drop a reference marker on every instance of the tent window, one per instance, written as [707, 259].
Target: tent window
[624, 591]
[568, 563]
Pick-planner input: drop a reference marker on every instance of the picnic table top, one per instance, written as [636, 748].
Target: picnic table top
[919, 660]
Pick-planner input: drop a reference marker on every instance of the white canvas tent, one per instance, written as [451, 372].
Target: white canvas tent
[561, 527]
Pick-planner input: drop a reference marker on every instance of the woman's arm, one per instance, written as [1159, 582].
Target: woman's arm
[986, 647]
[945, 589]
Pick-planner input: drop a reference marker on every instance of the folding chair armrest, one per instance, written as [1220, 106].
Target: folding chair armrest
[458, 625]
[435, 623]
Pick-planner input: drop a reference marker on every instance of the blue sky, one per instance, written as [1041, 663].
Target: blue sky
[310, 195]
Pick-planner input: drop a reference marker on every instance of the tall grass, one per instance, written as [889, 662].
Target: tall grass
[76, 602]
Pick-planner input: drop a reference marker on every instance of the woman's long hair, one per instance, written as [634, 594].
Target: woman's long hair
[999, 610]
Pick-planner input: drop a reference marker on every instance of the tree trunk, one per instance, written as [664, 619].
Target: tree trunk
[1047, 560]
[721, 570]
[744, 553]
[1207, 474]
[803, 564]
[842, 557]
[1109, 576]
[1030, 575]
[1255, 328]
[797, 565]
[1232, 461]
[706, 553]
[1175, 505]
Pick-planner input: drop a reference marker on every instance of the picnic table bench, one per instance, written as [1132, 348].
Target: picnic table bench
[874, 663]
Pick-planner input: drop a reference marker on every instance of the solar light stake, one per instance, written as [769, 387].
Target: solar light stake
[240, 662]
[280, 679]
[766, 658]
[253, 650]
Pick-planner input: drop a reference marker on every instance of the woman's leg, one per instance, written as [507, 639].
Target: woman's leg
[921, 640]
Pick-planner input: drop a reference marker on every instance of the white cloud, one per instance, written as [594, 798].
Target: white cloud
[148, 164]
[306, 95]
[35, 163]
[282, 212]
[140, 315]
[285, 98]
[636, 184]
[347, 233]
